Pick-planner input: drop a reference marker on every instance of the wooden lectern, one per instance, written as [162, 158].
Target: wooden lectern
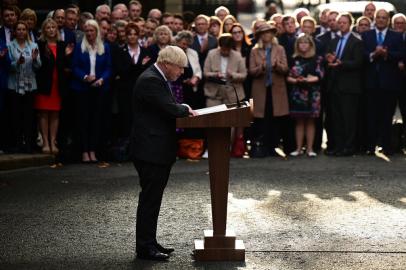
[219, 244]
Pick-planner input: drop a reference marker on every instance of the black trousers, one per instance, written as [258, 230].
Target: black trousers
[153, 180]
[381, 106]
[344, 119]
[89, 115]
[124, 97]
[21, 115]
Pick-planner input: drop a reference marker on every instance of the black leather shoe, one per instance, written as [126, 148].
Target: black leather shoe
[164, 250]
[152, 254]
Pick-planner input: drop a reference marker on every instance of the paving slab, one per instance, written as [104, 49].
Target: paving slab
[323, 213]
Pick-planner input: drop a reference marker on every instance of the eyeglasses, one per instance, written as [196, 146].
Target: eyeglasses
[236, 32]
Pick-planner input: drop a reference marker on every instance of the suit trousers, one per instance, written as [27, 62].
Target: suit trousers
[344, 119]
[153, 180]
[381, 106]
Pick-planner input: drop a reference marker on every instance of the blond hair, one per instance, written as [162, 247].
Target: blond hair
[306, 38]
[43, 36]
[162, 28]
[172, 55]
[85, 45]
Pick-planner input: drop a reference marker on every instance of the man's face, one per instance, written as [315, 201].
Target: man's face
[9, 18]
[290, 26]
[135, 11]
[308, 27]
[399, 25]
[149, 28]
[173, 72]
[344, 24]
[324, 17]
[59, 17]
[363, 26]
[71, 20]
[141, 26]
[332, 22]
[370, 11]
[168, 21]
[221, 14]
[201, 26]
[102, 13]
[381, 20]
[177, 25]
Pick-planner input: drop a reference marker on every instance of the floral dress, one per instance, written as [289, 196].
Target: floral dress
[304, 98]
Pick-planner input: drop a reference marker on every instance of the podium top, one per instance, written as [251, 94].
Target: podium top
[231, 116]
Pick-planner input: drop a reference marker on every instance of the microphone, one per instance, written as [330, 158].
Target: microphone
[227, 83]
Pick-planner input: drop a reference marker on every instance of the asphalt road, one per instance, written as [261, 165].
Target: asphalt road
[323, 213]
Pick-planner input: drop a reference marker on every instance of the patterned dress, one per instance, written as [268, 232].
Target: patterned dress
[304, 98]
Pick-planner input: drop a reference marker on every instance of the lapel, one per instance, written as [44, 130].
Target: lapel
[197, 43]
[166, 83]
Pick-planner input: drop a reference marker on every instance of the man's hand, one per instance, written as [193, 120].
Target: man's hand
[191, 111]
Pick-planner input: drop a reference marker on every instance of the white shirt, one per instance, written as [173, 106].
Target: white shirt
[223, 64]
[134, 54]
[92, 54]
[62, 33]
[8, 34]
[201, 37]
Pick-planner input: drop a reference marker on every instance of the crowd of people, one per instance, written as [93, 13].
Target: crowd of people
[66, 87]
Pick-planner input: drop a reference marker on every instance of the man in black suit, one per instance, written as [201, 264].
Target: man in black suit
[67, 35]
[153, 144]
[344, 57]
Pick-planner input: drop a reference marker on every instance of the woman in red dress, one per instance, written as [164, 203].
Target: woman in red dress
[51, 80]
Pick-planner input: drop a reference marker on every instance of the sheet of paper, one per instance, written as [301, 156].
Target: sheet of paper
[213, 109]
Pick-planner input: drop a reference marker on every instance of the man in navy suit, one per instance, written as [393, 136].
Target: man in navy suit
[153, 144]
[66, 35]
[384, 49]
[345, 56]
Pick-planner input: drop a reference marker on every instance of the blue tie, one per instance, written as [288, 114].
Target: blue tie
[268, 81]
[340, 47]
[380, 38]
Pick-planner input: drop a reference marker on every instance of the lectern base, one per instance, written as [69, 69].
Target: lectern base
[219, 247]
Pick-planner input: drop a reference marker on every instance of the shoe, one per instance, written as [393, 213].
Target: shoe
[205, 154]
[164, 250]
[152, 254]
[296, 153]
[311, 154]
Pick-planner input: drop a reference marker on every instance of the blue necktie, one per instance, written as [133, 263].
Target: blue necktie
[268, 75]
[380, 38]
[340, 48]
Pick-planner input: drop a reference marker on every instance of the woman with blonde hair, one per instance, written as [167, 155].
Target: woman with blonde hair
[228, 22]
[51, 83]
[91, 67]
[162, 37]
[304, 77]
[268, 67]
[30, 18]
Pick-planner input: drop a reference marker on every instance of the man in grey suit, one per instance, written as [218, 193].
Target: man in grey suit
[153, 144]
[344, 57]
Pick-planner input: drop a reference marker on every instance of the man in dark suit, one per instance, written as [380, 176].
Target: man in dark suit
[384, 49]
[9, 18]
[67, 35]
[153, 144]
[288, 38]
[203, 42]
[344, 57]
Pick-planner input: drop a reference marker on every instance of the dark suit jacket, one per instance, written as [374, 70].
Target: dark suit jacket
[70, 37]
[384, 73]
[324, 41]
[3, 34]
[153, 137]
[288, 43]
[48, 62]
[126, 70]
[347, 78]
[212, 44]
